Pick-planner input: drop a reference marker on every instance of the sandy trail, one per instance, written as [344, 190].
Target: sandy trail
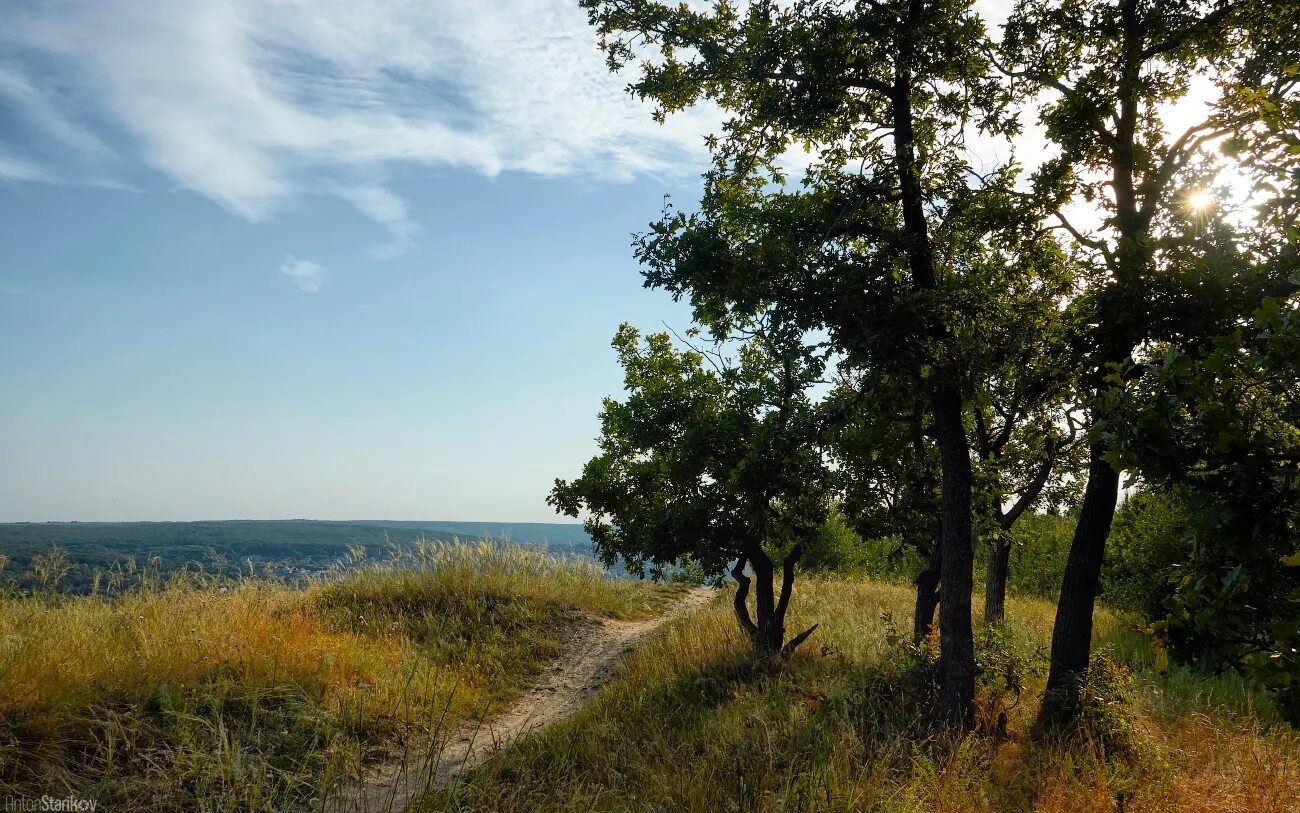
[593, 649]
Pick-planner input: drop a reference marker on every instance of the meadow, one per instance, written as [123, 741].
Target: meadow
[188, 694]
[691, 724]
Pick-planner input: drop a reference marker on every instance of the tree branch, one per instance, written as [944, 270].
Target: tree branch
[787, 581]
[1030, 494]
[1204, 24]
[742, 593]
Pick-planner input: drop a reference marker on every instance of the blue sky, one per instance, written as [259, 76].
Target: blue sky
[314, 259]
[320, 258]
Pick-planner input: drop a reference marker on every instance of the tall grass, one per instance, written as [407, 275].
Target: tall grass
[260, 697]
[690, 725]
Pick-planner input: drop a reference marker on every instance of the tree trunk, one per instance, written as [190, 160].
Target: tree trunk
[783, 603]
[956, 637]
[767, 633]
[957, 645]
[927, 595]
[1072, 633]
[738, 604]
[771, 630]
[995, 581]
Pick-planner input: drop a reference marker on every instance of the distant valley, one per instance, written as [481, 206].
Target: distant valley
[72, 553]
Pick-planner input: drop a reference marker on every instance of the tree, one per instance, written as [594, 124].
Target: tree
[1024, 434]
[888, 476]
[885, 92]
[1218, 428]
[1024, 417]
[1108, 67]
[717, 465]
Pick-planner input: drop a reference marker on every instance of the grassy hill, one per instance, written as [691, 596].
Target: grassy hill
[264, 697]
[690, 725]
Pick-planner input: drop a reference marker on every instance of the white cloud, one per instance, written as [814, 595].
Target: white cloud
[254, 103]
[387, 209]
[15, 169]
[307, 275]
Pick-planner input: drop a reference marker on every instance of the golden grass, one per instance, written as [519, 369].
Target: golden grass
[261, 696]
[687, 726]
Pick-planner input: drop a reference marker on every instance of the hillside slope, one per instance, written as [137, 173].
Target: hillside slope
[187, 696]
[690, 725]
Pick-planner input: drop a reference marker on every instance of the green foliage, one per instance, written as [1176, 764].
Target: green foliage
[1151, 546]
[1004, 667]
[1107, 709]
[1157, 275]
[839, 548]
[702, 463]
[1218, 427]
[1040, 546]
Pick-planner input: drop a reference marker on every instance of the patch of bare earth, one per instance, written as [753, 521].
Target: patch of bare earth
[593, 648]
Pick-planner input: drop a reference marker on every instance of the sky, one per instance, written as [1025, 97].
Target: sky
[317, 258]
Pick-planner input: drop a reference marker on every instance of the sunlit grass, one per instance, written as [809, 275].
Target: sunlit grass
[266, 698]
[261, 696]
[687, 725]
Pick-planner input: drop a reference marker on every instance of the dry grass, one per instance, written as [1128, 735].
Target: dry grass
[261, 697]
[688, 725]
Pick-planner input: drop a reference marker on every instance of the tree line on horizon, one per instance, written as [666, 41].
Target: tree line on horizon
[931, 346]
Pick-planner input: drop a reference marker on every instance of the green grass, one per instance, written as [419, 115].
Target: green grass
[690, 725]
[261, 697]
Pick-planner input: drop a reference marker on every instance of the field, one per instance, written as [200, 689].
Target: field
[190, 696]
[265, 697]
[690, 725]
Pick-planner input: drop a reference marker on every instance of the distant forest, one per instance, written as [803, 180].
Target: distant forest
[71, 553]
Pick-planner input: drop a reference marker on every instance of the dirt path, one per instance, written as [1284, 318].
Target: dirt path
[593, 649]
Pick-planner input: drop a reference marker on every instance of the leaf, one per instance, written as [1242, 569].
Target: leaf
[1231, 577]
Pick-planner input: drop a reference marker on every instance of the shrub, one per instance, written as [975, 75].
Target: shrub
[1150, 543]
[1107, 708]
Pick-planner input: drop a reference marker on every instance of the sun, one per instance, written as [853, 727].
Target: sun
[1198, 200]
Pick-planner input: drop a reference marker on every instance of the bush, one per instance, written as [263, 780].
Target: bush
[839, 548]
[1107, 708]
[1150, 543]
[1040, 546]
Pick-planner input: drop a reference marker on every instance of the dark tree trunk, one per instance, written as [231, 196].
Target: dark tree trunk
[927, 595]
[956, 637]
[1072, 633]
[767, 630]
[741, 609]
[995, 581]
[1121, 329]
[957, 652]
[771, 630]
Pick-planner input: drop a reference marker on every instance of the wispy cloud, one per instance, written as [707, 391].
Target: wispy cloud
[254, 103]
[387, 209]
[307, 275]
[15, 169]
